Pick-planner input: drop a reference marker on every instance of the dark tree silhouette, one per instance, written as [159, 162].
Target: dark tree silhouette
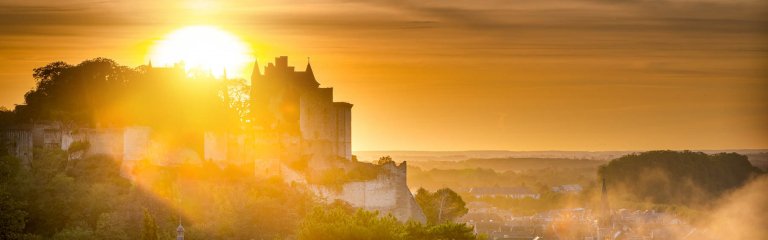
[670, 177]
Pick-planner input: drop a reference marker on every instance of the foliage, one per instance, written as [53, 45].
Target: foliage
[149, 229]
[357, 172]
[78, 146]
[509, 164]
[442, 206]
[301, 164]
[12, 214]
[7, 118]
[670, 177]
[100, 92]
[341, 223]
[90, 200]
[11, 217]
[449, 230]
[540, 180]
[74, 233]
[385, 160]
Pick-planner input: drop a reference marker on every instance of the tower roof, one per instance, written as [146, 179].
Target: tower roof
[309, 71]
[256, 69]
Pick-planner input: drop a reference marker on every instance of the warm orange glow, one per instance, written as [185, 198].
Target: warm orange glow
[205, 47]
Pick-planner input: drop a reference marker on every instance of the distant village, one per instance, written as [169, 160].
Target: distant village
[570, 223]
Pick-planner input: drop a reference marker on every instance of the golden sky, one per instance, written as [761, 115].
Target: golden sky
[464, 74]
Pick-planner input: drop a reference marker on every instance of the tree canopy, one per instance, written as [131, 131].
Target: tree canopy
[100, 92]
[442, 206]
[346, 224]
[671, 177]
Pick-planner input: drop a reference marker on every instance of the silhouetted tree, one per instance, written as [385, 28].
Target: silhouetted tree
[384, 160]
[442, 206]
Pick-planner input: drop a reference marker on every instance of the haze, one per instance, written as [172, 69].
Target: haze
[456, 75]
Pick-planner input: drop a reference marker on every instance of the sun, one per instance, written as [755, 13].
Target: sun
[205, 47]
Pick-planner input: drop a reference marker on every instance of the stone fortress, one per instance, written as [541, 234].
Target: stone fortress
[295, 122]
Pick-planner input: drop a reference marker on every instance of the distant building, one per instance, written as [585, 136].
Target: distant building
[508, 192]
[180, 232]
[571, 188]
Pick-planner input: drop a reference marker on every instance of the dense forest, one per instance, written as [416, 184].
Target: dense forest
[670, 177]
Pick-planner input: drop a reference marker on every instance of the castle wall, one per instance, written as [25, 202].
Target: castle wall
[343, 130]
[240, 149]
[388, 194]
[68, 138]
[18, 142]
[318, 126]
[105, 142]
[136, 143]
[215, 146]
[46, 134]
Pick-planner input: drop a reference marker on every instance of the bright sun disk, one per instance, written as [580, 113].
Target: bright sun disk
[205, 47]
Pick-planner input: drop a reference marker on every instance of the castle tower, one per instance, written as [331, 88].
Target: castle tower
[260, 98]
[291, 104]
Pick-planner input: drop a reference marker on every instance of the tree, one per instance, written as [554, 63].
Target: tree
[336, 223]
[12, 217]
[452, 231]
[342, 223]
[149, 229]
[384, 160]
[12, 214]
[442, 206]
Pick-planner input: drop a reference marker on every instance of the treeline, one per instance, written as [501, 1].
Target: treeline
[509, 164]
[539, 180]
[671, 177]
[101, 93]
[538, 177]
